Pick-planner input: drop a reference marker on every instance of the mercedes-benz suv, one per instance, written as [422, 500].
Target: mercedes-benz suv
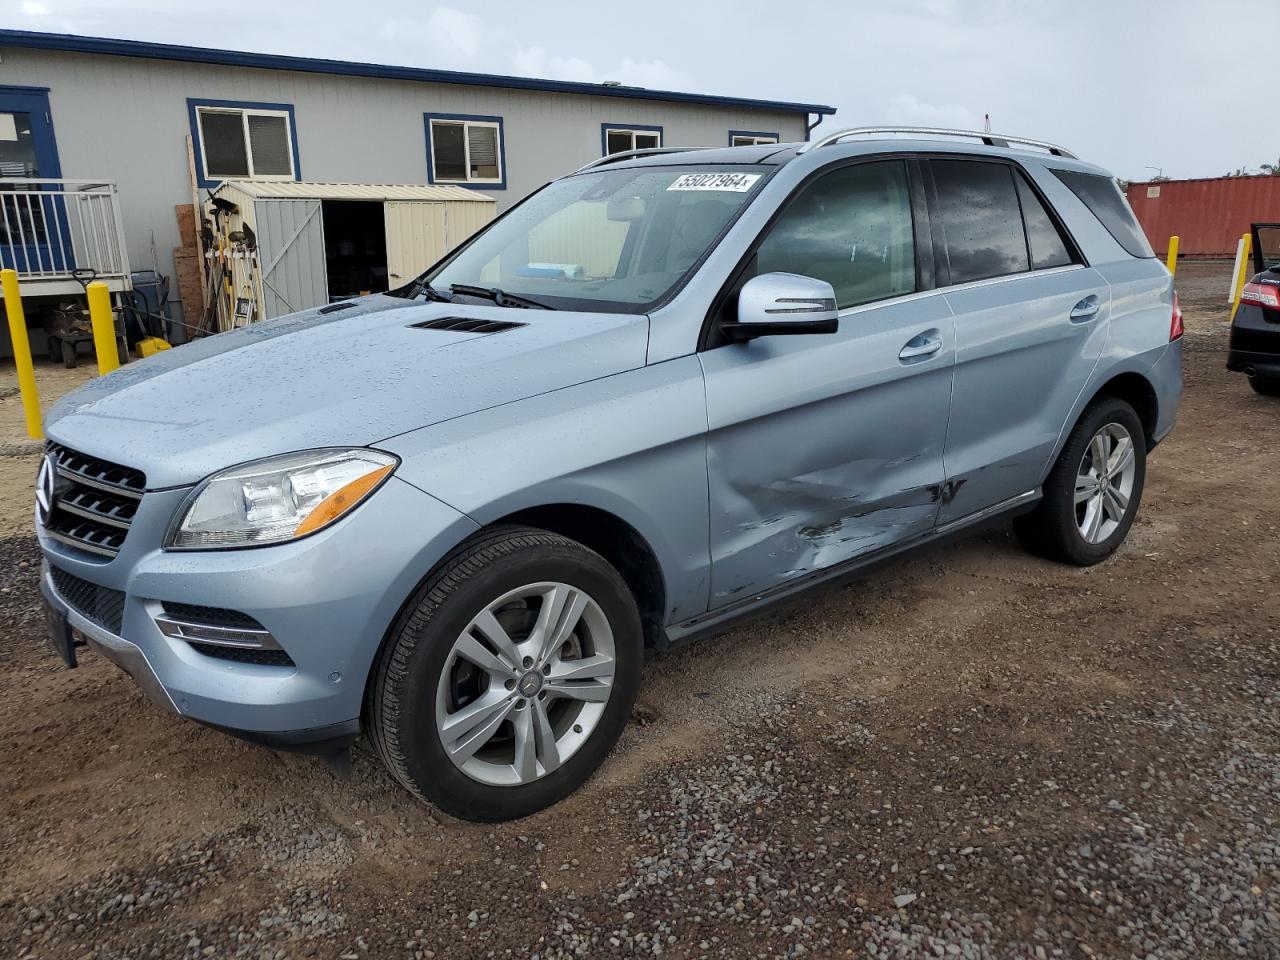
[657, 395]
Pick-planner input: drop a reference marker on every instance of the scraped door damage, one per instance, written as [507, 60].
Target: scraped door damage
[821, 448]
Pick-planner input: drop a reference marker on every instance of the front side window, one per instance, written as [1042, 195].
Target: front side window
[465, 150]
[981, 218]
[620, 138]
[245, 143]
[738, 138]
[618, 240]
[851, 227]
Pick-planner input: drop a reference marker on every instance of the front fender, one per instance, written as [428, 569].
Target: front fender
[632, 445]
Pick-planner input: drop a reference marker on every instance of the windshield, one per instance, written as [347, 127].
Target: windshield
[614, 240]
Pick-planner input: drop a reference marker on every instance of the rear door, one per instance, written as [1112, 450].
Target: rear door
[1030, 324]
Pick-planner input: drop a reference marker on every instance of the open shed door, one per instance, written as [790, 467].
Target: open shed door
[416, 238]
[291, 255]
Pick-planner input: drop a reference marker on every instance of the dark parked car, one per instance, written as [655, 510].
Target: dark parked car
[1255, 329]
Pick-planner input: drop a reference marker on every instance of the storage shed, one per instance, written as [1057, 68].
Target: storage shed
[276, 246]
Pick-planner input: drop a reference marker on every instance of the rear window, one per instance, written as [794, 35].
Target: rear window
[1048, 246]
[978, 204]
[1103, 198]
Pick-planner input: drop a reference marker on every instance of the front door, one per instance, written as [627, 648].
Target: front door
[825, 447]
[33, 227]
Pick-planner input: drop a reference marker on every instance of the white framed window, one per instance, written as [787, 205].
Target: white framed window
[617, 138]
[465, 150]
[743, 138]
[242, 143]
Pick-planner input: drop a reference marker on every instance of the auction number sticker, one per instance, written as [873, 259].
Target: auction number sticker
[732, 182]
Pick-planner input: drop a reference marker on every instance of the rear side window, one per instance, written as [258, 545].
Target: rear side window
[1107, 203]
[1048, 246]
[852, 228]
[981, 219]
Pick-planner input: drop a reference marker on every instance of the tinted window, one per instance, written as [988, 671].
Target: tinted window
[1104, 199]
[1048, 247]
[978, 205]
[852, 228]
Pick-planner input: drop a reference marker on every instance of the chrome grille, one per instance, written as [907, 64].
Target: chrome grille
[100, 605]
[93, 501]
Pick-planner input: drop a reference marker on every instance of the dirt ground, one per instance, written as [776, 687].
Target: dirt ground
[969, 752]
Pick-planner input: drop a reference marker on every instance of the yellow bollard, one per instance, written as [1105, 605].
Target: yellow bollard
[22, 353]
[1172, 260]
[1246, 247]
[104, 327]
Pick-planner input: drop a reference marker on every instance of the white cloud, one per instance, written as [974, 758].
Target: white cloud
[461, 31]
[911, 110]
[32, 8]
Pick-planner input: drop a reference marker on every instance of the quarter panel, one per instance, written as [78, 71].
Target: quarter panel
[633, 444]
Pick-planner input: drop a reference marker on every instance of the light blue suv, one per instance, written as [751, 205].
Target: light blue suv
[658, 395]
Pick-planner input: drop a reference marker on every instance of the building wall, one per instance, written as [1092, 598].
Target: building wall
[125, 119]
[1207, 216]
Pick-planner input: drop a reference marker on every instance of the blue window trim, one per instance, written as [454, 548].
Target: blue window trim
[642, 127]
[500, 184]
[194, 102]
[754, 133]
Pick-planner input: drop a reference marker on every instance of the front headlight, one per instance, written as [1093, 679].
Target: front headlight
[277, 499]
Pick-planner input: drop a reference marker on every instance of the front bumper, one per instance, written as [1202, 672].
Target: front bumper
[328, 600]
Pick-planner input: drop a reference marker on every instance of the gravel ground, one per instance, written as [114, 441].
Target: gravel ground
[967, 753]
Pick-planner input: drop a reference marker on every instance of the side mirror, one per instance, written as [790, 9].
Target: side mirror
[784, 303]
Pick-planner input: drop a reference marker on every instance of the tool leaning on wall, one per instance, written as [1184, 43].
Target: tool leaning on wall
[231, 298]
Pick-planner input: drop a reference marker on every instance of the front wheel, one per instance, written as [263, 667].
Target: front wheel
[1266, 386]
[1091, 495]
[508, 677]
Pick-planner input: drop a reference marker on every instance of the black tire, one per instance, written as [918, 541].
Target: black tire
[1266, 386]
[1051, 530]
[69, 358]
[401, 700]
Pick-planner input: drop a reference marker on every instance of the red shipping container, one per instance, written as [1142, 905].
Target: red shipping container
[1208, 215]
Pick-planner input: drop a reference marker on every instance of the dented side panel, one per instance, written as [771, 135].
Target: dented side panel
[821, 448]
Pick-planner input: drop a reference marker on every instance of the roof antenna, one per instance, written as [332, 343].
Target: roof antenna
[986, 123]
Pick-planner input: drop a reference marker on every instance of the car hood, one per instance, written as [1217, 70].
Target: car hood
[350, 377]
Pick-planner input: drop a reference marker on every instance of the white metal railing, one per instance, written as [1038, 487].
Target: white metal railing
[52, 229]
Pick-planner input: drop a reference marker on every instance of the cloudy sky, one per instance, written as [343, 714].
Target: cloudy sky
[1130, 84]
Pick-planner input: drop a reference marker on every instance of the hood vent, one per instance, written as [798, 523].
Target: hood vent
[467, 325]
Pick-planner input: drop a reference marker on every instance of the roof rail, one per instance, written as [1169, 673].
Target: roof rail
[630, 155]
[990, 139]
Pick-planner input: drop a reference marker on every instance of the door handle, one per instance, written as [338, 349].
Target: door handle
[1086, 309]
[917, 348]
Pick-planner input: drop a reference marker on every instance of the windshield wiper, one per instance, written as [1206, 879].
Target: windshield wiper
[498, 297]
[427, 290]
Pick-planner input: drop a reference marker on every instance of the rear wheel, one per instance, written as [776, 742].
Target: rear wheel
[1267, 386]
[509, 677]
[1091, 495]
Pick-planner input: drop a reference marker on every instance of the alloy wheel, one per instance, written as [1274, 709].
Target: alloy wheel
[1104, 483]
[525, 684]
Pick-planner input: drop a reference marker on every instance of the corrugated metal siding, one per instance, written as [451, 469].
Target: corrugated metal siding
[581, 234]
[465, 219]
[415, 239]
[291, 252]
[304, 190]
[1208, 216]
